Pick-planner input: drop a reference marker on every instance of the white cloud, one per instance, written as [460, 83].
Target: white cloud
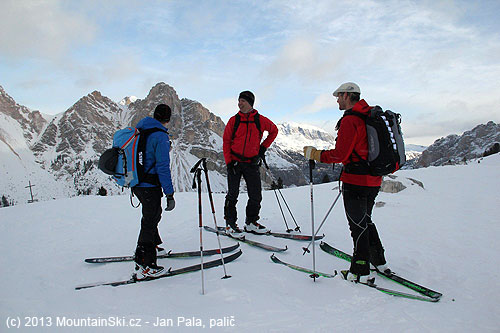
[305, 59]
[113, 68]
[33, 29]
[415, 57]
[224, 108]
[320, 103]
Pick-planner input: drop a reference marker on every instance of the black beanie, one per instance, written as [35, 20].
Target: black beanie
[247, 96]
[162, 113]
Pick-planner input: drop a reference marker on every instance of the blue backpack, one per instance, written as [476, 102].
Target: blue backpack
[125, 160]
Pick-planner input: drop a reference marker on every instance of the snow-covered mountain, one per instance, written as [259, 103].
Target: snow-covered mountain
[73, 141]
[418, 227]
[59, 154]
[127, 100]
[413, 151]
[459, 148]
[19, 129]
[66, 147]
[294, 136]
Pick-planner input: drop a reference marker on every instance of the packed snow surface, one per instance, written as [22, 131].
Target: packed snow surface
[443, 236]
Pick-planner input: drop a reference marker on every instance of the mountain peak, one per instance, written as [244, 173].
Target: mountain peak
[95, 94]
[6, 98]
[162, 89]
[127, 100]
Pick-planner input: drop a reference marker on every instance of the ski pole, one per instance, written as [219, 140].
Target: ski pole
[314, 275]
[297, 228]
[281, 209]
[198, 178]
[306, 249]
[213, 214]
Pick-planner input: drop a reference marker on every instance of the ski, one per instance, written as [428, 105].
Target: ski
[284, 235]
[169, 254]
[391, 276]
[398, 293]
[243, 239]
[169, 273]
[301, 269]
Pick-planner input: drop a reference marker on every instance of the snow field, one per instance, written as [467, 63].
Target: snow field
[443, 237]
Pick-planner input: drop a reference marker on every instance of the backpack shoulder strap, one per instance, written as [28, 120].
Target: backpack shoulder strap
[144, 175]
[237, 120]
[357, 114]
[354, 113]
[256, 120]
[146, 132]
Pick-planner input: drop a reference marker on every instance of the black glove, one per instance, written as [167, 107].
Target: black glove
[231, 167]
[262, 152]
[170, 202]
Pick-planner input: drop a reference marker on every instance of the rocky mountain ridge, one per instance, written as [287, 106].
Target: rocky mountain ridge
[61, 154]
[68, 147]
[455, 149]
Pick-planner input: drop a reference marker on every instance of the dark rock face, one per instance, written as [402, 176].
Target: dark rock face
[455, 149]
[32, 122]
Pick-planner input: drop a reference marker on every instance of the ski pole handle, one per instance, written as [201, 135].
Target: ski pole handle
[195, 167]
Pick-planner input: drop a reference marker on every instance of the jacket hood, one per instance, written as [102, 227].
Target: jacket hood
[148, 122]
[361, 107]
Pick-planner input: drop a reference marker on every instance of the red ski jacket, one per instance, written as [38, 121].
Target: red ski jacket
[247, 138]
[352, 136]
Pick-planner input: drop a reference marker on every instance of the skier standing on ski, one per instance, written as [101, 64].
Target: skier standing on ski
[149, 192]
[243, 154]
[359, 189]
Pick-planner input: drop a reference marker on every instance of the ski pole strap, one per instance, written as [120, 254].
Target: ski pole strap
[196, 168]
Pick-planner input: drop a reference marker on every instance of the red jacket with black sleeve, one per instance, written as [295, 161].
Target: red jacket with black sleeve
[352, 136]
[247, 139]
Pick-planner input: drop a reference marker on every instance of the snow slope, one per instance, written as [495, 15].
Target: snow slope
[18, 167]
[443, 236]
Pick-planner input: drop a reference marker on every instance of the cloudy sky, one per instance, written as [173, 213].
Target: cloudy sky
[435, 62]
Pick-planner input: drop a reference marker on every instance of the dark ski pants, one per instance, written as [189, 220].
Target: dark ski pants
[149, 237]
[358, 204]
[251, 174]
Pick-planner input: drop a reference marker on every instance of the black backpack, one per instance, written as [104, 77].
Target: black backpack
[386, 148]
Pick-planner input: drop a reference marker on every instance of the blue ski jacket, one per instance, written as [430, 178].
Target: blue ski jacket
[157, 155]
